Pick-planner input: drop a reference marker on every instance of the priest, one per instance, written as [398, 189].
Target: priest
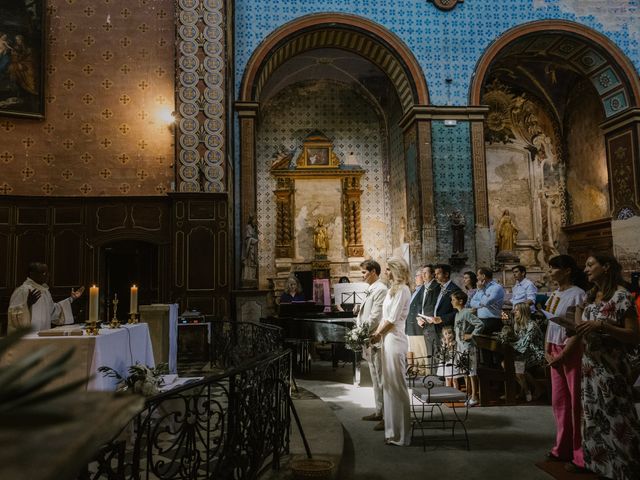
[31, 304]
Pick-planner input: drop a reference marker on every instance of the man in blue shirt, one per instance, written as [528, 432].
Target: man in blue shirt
[523, 290]
[487, 301]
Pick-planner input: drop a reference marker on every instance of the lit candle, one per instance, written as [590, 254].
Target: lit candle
[134, 300]
[93, 303]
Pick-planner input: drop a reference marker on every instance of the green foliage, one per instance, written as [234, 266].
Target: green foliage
[141, 379]
[22, 384]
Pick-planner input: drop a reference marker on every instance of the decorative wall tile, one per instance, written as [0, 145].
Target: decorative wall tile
[447, 45]
[453, 184]
[89, 94]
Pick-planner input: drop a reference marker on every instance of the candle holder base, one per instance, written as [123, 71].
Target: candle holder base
[92, 328]
[115, 323]
[134, 318]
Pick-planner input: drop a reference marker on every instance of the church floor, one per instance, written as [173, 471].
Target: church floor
[506, 442]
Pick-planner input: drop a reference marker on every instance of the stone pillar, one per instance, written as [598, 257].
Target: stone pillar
[484, 247]
[247, 115]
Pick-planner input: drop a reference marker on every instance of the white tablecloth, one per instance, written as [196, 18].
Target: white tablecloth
[118, 348]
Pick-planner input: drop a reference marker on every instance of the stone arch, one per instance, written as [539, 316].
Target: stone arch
[583, 53]
[348, 32]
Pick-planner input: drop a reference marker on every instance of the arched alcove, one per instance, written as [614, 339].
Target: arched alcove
[353, 81]
[556, 91]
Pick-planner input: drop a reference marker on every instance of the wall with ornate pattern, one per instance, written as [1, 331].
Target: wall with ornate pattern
[109, 96]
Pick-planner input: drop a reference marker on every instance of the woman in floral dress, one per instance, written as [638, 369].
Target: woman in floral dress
[609, 328]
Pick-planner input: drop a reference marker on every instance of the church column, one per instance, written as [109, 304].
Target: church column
[622, 138]
[484, 242]
[247, 114]
[421, 228]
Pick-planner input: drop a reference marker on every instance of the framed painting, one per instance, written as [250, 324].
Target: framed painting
[317, 156]
[22, 57]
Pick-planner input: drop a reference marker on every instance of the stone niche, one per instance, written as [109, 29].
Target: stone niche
[314, 193]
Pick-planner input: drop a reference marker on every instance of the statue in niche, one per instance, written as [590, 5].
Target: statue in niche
[250, 251]
[457, 227]
[506, 233]
[320, 238]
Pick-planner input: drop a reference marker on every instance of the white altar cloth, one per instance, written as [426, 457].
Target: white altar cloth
[116, 348]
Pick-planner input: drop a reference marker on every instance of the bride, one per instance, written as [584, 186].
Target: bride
[395, 308]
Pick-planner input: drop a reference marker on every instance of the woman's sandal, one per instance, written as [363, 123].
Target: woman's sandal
[552, 458]
[573, 468]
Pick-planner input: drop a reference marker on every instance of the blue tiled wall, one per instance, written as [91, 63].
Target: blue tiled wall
[453, 184]
[446, 44]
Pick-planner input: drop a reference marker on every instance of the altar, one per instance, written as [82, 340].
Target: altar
[116, 348]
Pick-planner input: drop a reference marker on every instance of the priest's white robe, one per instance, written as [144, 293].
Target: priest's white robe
[42, 313]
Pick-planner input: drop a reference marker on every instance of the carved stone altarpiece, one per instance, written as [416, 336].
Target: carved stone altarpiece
[317, 161]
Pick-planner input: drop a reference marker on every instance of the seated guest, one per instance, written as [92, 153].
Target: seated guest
[466, 326]
[31, 304]
[470, 284]
[529, 347]
[523, 291]
[487, 301]
[293, 291]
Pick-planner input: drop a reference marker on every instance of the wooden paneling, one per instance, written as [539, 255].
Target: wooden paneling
[66, 259]
[188, 232]
[587, 238]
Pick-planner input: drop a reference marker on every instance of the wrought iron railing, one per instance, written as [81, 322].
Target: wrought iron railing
[234, 425]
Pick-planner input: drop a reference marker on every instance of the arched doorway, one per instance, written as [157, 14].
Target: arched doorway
[559, 132]
[350, 82]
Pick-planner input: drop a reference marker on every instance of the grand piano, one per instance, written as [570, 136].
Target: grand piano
[300, 328]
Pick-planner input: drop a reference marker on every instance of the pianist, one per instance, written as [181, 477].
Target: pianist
[292, 291]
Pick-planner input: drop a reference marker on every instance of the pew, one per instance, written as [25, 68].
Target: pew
[490, 371]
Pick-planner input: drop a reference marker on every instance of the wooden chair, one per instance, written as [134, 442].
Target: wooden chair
[429, 392]
[490, 372]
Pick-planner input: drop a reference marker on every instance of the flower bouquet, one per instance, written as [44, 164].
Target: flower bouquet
[357, 338]
[141, 379]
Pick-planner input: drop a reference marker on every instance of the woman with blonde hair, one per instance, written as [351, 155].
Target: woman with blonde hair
[390, 331]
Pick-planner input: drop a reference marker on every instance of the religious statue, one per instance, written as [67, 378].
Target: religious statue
[457, 227]
[250, 251]
[506, 233]
[320, 238]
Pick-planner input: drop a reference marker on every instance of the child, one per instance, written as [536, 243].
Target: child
[529, 347]
[447, 368]
[466, 326]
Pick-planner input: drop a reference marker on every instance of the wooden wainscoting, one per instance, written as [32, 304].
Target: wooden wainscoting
[588, 237]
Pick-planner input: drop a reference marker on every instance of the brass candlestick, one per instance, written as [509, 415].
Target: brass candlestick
[134, 317]
[115, 323]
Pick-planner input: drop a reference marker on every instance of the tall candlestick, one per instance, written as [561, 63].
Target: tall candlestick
[93, 303]
[134, 300]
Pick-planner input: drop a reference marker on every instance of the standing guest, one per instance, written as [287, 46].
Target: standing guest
[470, 285]
[31, 304]
[293, 291]
[487, 301]
[564, 355]
[394, 350]
[430, 297]
[523, 291]
[370, 312]
[609, 329]
[444, 314]
[466, 326]
[413, 330]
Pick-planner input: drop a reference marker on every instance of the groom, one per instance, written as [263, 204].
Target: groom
[371, 312]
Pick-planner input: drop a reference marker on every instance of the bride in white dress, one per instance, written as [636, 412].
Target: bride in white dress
[397, 421]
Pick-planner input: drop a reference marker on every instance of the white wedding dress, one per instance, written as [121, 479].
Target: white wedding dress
[397, 420]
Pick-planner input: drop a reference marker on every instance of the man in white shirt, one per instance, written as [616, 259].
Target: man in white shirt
[370, 312]
[523, 290]
[31, 304]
